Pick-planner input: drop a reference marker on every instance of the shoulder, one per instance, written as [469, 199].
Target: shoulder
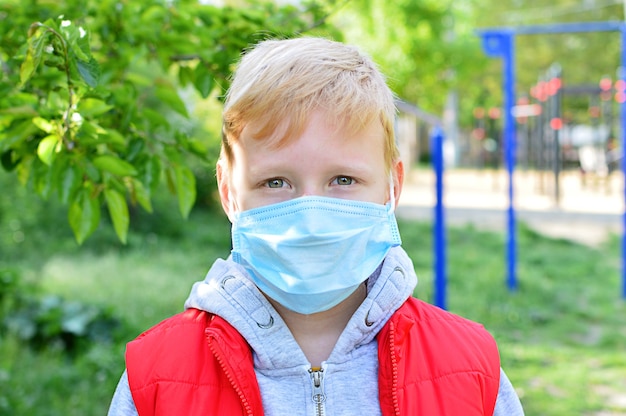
[416, 311]
[184, 321]
[179, 346]
[180, 361]
[437, 335]
[432, 353]
[173, 340]
[174, 337]
[180, 335]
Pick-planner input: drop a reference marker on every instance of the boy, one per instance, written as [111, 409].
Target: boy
[312, 314]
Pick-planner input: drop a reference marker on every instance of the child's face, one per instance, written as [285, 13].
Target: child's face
[322, 161]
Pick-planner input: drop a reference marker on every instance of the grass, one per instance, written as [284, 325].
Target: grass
[562, 335]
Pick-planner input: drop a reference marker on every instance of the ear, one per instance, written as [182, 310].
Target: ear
[397, 171]
[223, 186]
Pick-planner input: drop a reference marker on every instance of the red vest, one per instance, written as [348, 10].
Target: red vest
[430, 363]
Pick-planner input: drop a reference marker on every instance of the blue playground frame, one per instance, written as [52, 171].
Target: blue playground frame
[500, 42]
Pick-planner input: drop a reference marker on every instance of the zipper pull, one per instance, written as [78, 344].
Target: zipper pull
[317, 380]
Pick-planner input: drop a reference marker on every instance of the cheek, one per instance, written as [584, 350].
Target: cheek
[378, 194]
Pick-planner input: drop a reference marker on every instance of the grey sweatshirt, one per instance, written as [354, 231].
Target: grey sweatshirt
[349, 376]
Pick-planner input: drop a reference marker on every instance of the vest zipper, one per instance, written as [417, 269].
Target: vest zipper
[318, 397]
[217, 353]
[394, 369]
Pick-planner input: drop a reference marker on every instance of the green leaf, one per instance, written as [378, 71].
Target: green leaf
[138, 79]
[170, 181]
[141, 194]
[25, 110]
[185, 189]
[115, 137]
[84, 215]
[89, 72]
[21, 111]
[89, 133]
[18, 132]
[168, 94]
[154, 119]
[91, 107]
[36, 43]
[8, 160]
[83, 43]
[114, 165]
[82, 56]
[203, 80]
[24, 168]
[118, 210]
[44, 125]
[41, 175]
[198, 148]
[153, 15]
[185, 75]
[152, 173]
[173, 152]
[47, 148]
[72, 34]
[92, 171]
[135, 147]
[117, 184]
[70, 182]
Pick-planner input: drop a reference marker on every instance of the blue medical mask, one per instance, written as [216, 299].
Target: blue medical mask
[310, 253]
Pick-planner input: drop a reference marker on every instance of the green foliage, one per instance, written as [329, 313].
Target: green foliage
[426, 48]
[49, 321]
[97, 98]
[53, 322]
[9, 290]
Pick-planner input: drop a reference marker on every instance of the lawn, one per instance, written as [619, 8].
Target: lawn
[562, 335]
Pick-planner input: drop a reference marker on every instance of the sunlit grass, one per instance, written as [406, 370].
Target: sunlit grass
[562, 334]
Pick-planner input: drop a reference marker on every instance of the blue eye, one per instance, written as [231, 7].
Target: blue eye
[344, 180]
[275, 183]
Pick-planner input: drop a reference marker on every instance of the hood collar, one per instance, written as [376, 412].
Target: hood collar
[228, 291]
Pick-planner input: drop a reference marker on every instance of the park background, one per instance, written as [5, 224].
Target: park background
[109, 131]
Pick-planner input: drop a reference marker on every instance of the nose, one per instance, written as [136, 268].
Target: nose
[310, 190]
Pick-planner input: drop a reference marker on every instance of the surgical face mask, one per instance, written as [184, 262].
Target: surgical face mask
[310, 253]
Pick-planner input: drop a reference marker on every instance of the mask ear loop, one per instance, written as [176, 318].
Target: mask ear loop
[231, 206]
[392, 195]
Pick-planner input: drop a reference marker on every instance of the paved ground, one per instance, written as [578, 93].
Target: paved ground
[587, 213]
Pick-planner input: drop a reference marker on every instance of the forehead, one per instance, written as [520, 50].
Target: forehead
[281, 132]
[319, 137]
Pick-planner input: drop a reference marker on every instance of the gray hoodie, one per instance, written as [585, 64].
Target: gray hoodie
[348, 381]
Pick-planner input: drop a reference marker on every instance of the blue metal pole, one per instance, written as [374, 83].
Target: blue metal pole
[510, 145]
[501, 43]
[623, 120]
[439, 233]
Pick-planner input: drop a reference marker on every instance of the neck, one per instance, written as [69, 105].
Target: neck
[317, 333]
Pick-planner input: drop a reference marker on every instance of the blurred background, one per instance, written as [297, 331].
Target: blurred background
[110, 129]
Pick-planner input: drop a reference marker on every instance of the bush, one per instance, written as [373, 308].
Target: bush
[49, 321]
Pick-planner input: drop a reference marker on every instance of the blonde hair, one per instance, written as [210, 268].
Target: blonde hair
[279, 83]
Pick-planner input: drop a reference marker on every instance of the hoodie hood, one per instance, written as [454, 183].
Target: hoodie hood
[229, 292]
